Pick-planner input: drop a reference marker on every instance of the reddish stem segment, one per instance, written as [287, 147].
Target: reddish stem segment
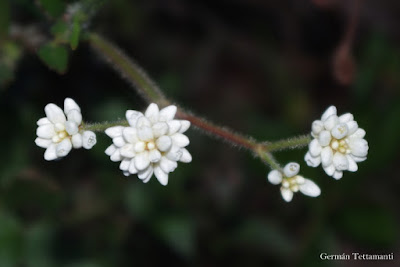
[212, 129]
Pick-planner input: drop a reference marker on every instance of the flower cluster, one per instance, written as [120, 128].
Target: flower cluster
[60, 131]
[338, 144]
[153, 143]
[291, 182]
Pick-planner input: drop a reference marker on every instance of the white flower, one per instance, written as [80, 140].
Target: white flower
[60, 131]
[338, 144]
[291, 182]
[153, 143]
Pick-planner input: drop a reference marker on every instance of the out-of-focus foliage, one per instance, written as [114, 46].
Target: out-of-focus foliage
[261, 67]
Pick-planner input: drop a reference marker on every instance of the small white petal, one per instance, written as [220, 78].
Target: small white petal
[142, 160]
[164, 143]
[275, 177]
[71, 127]
[63, 148]
[287, 194]
[45, 143]
[110, 150]
[340, 161]
[77, 141]
[132, 116]
[358, 147]
[337, 175]
[130, 135]
[70, 104]
[140, 146]
[353, 126]
[312, 161]
[329, 169]
[331, 122]
[149, 175]
[186, 157]
[314, 148]
[346, 118]
[145, 133]
[132, 167]
[317, 126]
[326, 156]
[59, 127]
[43, 121]
[291, 169]
[54, 113]
[160, 129]
[175, 153]
[88, 139]
[126, 173]
[360, 133]
[167, 165]
[161, 176]
[180, 140]
[115, 131]
[152, 113]
[116, 156]
[309, 188]
[353, 167]
[167, 113]
[119, 141]
[45, 131]
[50, 153]
[324, 138]
[145, 173]
[128, 151]
[358, 159]
[184, 126]
[173, 126]
[154, 156]
[340, 131]
[143, 122]
[75, 116]
[329, 112]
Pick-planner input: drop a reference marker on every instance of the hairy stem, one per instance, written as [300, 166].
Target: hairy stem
[145, 86]
[128, 69]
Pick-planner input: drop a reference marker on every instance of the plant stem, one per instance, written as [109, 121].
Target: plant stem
[291, 143]
[128, 69]
[145, 86]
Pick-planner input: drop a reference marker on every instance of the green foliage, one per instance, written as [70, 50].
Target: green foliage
[10, 240]
[373, 226]
[10, 53]
[179, 234]
[54, 56]
[76, 29]
[55, 8]
[4, 19]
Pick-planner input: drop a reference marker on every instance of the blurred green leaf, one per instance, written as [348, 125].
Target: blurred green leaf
[38, 245]
[60, 30]
[179, 233]
[55, 8]
[255, 233]
[373, 226]
[56, 57]
[10, 240]
[4, 19]
[137, 201]
[76, 29]
[6, 74]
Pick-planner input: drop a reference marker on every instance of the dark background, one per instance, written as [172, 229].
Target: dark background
[263, 68]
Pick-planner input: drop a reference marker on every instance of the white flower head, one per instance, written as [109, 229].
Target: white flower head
[152, 144]
[338, 144]
[291, 182]
[60, 131]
